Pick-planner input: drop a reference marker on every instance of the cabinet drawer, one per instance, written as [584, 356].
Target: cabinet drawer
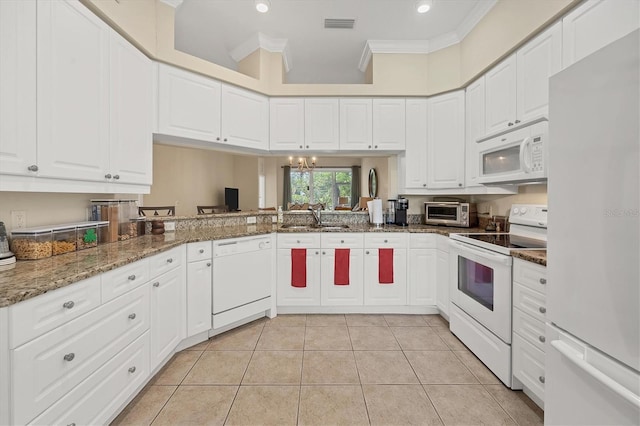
[529, 328]
[48, 367]
[422, 241]
[528, 366]
[386, 240]
[165, 261]
[529, 301]
[95, 400]
[342, 240]
[299, 240]
[36, 316]
[199, 251]
[530, 274]
[124, 279]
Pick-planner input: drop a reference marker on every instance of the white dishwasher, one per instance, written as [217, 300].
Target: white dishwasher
[241, 278]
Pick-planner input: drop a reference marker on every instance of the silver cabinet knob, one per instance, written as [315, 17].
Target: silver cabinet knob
[543, 281]
[71, 424]
[107, 176]
[156, 284]
[541, 378]
[517, 121]
[317, 252]
[369, 146]
[116, 176]
[307, 146]
[169, 260]
[217, 138]
[542, 339]
[298, 241]
[69, 356]
[424, 184]
[376, 147]
[386, 241]
[542, 310]
[32, 168]
[341, 241]
[324, 252]
[208, 263]
[366, 252]
[131, 277]
[132, 369]
[201, 251]
[459, 184]
[225, 139]
[510, 124]
[68, 305]
[132, 316]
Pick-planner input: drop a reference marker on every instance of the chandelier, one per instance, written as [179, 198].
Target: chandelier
[303, 164]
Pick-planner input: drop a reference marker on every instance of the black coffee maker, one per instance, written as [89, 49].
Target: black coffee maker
[402, 207]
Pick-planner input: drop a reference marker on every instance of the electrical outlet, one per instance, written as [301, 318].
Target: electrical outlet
[169, 226]
[251, 220]
[18, 219]
[274, 219]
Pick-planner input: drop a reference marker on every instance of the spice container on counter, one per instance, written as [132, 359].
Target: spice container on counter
[32, 243]
[64, 239]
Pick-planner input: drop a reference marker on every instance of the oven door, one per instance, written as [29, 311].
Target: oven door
[481, 286]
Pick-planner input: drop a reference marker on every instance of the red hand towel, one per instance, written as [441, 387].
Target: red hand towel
[298, 267]
[385, 266]
[341, 267]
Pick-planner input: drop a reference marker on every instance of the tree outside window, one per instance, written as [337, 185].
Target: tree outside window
[324, 186]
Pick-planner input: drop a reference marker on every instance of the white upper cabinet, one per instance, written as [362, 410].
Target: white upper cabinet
[356, 124]
[287, 124]
[389, 124]
[500, 99]
[594, 24]
[445, 141]
[245, 118]
[188, 104]
[322, 124]
[538, 60]
[415, 165]
[18, 86]
[474, 129]
[72, 92]
[131, 107]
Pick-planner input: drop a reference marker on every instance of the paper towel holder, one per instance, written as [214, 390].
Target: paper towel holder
[373, 183]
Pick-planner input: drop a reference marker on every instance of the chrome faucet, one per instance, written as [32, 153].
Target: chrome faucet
[317, 215]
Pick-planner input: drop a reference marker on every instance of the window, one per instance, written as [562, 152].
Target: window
[331, 187]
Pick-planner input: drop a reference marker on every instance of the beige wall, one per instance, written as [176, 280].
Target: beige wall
[500, 205]
[245, 178]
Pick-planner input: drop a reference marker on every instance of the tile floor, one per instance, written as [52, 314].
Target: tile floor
[330, 369]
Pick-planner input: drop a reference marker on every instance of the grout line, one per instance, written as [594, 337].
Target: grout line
[304, 341]
[500, 405]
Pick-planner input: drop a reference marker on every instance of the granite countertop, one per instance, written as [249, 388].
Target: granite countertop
[31, 278]
[535, 256]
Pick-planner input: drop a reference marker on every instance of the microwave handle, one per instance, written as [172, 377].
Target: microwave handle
[524, 165]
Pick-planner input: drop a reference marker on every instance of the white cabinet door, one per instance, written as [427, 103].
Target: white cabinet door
[17, 86]
[500, 95]
[415, 165]
[131, 107]
[245, 118]
[188, 104]
[376, 293]
[445, 141]
[73, 92]
[321, 124]
[442, 277]
[421, 269]
[538, 60]
[286, 129]
[298, 296]
[167, 314]
[389, 124]
[356, 124]
[342, 295]
[594, 24]
[474, 129]
[199, 281]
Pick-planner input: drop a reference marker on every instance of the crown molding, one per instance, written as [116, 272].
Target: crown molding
[473, 18]
[391, 46]
[173, 3]
[261, 41]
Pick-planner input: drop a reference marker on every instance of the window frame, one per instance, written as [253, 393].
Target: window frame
[335, 195]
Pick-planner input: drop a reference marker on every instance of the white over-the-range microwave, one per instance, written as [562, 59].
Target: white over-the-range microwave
[518, 156]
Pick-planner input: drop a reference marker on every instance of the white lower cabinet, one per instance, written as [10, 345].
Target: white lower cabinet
[332, 292]
[288, 295]
[421, 270]
[442, 278]
[375, 292]
[199, 280]
[167, 314]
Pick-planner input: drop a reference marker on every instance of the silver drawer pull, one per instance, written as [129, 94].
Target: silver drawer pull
[132, 316]
[71, 424]
[208, 263]
[131, 277]
[132, 369]
[201, 250]
[156, 284]
[542, 310]
[542, 339]
[69, 356]
[541, 378]
[543, 280]
[68, 305]
[169, 260]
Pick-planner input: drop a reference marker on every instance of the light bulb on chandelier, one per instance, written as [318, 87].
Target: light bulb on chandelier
[303, 164]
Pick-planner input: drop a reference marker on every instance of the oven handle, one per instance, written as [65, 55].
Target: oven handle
[500, 258]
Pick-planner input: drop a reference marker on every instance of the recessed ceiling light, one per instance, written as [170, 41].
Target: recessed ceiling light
[423, 6]
[263, 6]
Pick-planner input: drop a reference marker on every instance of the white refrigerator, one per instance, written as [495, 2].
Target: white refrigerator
[592, 364]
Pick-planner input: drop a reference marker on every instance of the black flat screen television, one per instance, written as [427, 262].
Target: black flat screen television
[231, 198]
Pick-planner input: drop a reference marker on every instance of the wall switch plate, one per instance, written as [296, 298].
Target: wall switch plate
[169, 226]
[251, 220]
[18, 219]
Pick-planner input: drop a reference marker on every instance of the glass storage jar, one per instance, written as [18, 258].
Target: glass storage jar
[64, 239]
[32, 243]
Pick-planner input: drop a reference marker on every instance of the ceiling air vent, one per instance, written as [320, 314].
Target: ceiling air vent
[339, 23]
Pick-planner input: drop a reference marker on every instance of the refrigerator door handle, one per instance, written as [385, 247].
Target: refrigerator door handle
[577, 359]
